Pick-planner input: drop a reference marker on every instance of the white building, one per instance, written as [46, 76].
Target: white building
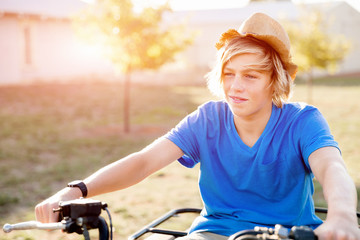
[37, 43]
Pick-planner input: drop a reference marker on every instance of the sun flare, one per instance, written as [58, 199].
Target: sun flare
[179, 5]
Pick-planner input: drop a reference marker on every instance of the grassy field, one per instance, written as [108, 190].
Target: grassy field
[53, 133]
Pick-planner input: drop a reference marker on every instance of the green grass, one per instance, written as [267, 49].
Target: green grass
[53, 133]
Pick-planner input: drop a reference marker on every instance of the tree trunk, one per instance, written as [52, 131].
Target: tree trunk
[127, 102]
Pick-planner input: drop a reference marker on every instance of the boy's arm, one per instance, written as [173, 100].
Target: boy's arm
[339, 192]
[118, 175]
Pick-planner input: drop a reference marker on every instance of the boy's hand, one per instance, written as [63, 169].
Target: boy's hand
[44, 211]
[340, 228]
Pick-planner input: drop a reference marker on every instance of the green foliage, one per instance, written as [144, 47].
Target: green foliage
[313, 46]
[133, 40]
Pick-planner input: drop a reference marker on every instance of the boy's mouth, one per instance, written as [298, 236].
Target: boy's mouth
[238, 99]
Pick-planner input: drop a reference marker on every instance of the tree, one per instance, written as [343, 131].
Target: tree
[314, 47]
[133, 40]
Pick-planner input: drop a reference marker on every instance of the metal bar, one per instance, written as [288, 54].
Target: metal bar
[162, 219]
[168, 232]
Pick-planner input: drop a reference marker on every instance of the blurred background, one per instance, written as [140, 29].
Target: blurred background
[40, 44]
[84, 83]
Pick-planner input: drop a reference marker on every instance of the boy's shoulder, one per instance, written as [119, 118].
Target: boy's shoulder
[298, 107]
[214, 105]
[299, 112]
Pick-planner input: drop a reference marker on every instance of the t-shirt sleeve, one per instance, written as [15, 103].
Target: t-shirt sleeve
[314, 133]
[185, 135]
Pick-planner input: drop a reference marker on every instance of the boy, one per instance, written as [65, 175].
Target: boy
[258, 154]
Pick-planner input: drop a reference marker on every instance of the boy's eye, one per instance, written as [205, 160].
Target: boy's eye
[228, 74]
[250, 76]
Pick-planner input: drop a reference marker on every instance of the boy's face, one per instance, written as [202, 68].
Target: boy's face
[246, 89]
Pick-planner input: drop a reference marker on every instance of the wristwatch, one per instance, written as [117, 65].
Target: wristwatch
[79, 184]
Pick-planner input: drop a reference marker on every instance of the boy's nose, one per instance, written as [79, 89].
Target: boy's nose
[238, 83]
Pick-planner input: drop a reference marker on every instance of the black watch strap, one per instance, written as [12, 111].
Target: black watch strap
[81, 185]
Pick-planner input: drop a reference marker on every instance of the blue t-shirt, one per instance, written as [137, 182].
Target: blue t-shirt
[263, 185]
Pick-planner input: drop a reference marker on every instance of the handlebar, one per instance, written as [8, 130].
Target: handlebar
[34, 225]
[77, 216]
[279, 232]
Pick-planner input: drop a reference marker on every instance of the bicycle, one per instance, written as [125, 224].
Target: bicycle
[79, 216]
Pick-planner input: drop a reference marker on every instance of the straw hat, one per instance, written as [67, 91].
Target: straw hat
[264, 28]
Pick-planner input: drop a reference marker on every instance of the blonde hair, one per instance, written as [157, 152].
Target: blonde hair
[280, 81]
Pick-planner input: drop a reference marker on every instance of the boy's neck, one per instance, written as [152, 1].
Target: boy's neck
[250, 129]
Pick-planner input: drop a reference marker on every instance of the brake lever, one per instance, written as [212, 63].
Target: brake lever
[34, 225]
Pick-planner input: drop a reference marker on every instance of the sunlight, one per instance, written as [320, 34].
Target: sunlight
[184, 5]
[89, 1]
[116, 30]
[206, 4]
[181, 5]
[139, 5]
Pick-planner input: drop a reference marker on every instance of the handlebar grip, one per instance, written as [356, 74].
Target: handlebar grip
[33, 225]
